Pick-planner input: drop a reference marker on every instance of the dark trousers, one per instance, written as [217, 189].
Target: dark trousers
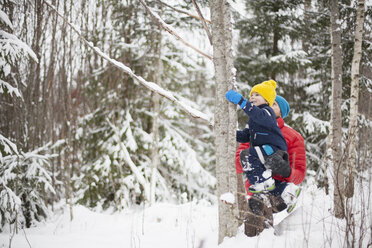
[252, 166]
[253, 169]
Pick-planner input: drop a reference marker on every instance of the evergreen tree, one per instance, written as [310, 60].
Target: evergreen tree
[137, 41]
[25, 178]
[290, 41]
[287, 42]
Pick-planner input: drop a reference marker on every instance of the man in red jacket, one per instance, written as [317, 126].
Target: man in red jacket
[287, 170]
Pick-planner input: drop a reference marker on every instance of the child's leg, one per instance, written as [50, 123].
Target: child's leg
[244, 160]
[285, 195]
[259, 178]
[277, 202]
[279, 188]
[254, 170]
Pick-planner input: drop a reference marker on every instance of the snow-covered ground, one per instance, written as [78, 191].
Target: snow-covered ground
[188, 225]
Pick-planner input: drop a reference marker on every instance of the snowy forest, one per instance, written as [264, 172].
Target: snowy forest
[111, 104]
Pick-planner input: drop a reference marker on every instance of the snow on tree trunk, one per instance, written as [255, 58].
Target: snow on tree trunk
[225, 118]
[336, 120]
[354, 99]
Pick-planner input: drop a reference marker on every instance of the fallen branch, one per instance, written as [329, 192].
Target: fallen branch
[150, 85]
[171, 31]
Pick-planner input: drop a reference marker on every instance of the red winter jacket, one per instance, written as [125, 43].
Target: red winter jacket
[296, 151]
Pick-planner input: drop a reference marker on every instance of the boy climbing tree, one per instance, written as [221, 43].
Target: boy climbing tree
[286, 171]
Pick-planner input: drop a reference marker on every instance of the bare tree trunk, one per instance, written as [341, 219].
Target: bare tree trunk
[242, 198]
[66, 108]
[354, 99]
[155, 160]
[336, 121]
[275, 51]
[305, 41]
[307, 20]
[365, 135]
[32, 92]
[49, 98]
[225, 118]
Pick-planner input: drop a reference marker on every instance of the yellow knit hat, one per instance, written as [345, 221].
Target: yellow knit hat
[266, 90]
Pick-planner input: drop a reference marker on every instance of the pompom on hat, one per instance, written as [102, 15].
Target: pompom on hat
[266, 90]
[283, 105]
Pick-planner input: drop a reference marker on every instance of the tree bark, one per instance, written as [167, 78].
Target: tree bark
[50, 118]
[155, 160]
[32, 91]
[225, 119]
[354, 99]
[242, 198]
[336, 121]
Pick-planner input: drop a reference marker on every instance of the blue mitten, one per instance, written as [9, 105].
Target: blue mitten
[235, 98]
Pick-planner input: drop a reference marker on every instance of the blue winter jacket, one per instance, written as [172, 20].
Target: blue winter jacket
[262, 128]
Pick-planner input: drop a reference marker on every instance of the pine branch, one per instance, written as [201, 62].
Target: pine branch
[171, 31]
[150, 85]
[140, 178]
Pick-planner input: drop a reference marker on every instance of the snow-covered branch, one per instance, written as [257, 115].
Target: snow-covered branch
[182, 11]
[171, 31]
[4, 17]
[8, 146]
[140, 178]
[150, 85]
[9, 88]
[13, 40]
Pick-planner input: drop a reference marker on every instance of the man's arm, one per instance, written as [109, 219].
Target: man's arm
[297, 157]
[297, 160]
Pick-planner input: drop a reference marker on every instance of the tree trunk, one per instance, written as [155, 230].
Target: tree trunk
[50, 79]
[276, 38]
[155, 160]
[336, 121]
[242, 198]
[225, 119]
[354, 98]
[32, 91]
[65, 103]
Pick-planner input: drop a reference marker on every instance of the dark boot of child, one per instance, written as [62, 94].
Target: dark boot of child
[277, 203]
[258, 218]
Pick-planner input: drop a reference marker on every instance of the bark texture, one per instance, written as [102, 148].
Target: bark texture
[336, 120]
[225, 118]
[354, 99]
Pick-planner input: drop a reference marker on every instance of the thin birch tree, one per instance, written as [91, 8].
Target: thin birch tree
[336, 120]
[225, 118]
[354, 99]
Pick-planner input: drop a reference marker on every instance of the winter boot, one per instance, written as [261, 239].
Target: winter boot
[258, 217]
[265, 186]
[290, 196]
[277, 203]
